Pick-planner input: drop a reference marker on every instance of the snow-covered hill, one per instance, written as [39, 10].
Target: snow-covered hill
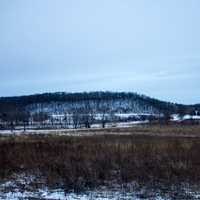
[89, 106]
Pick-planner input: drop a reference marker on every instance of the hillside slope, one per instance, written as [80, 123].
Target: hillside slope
[116, 102]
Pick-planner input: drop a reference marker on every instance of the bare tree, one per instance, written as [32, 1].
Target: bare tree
[166, 117]
[181, 112]
[87, 114]
[23, 117]
[75, 117]
[40, 117]
[67, 119]
[9, 114]
[104, 111]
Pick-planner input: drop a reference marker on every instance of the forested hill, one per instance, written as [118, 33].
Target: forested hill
[117, 102]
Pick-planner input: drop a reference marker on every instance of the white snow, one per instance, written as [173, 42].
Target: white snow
[176, 117]
[191, 117]
[12, 190]
[90, 195]
[71, 131]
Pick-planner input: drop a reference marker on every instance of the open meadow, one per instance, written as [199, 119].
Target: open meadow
[157, 157]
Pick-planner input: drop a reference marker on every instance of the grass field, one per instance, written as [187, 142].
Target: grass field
[143, 154]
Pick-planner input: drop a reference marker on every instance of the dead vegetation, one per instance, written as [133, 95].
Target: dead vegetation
[86, 162]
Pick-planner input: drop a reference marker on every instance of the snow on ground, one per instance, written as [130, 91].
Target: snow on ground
[20, 187]
[191, 117]
[60, 195]
[176, 117]
[99, 194]
[128, 124]
[126, 115]
[71, 131]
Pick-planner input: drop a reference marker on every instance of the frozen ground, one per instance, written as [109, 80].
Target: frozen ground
[73, 131]
[20, 187]
[176, 117]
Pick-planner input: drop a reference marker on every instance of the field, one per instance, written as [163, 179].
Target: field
[87, 159]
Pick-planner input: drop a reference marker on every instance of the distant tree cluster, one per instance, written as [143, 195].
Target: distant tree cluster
[12, 115]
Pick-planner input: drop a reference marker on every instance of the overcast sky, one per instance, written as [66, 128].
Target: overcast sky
[146, 46]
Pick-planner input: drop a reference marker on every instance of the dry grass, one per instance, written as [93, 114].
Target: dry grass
[80, 162]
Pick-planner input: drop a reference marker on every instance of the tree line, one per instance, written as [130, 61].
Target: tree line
[95, 107]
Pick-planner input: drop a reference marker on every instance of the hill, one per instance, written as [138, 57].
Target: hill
[119, 102]
[87, 107]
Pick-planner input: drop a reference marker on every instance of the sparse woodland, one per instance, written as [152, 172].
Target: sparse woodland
[79, 110]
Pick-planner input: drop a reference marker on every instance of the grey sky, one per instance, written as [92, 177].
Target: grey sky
[147, 46]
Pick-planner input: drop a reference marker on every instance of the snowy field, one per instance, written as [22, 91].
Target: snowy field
[20, 189]
[20, 186]
[70, 130]
[73, 131]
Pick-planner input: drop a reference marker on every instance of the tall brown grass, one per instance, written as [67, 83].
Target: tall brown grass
[82, 162]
